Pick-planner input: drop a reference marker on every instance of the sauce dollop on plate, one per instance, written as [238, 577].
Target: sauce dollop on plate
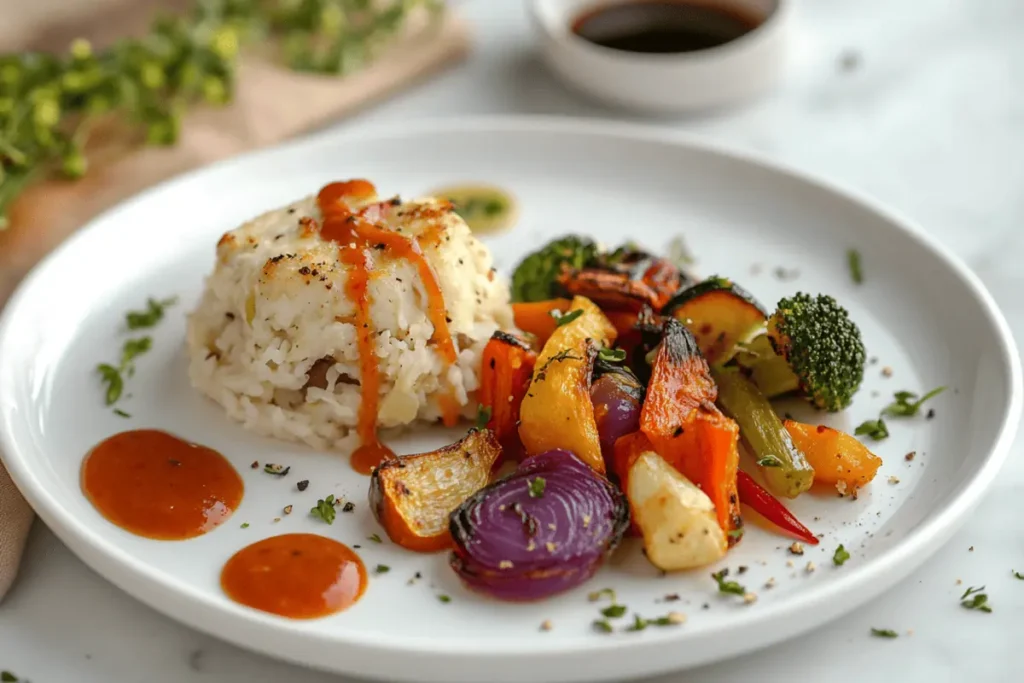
[156, 485]
[485, 208]
[301, 576]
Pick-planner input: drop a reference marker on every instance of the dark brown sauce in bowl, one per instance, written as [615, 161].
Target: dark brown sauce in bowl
[663, 26]
[300, 576]
[156, 485]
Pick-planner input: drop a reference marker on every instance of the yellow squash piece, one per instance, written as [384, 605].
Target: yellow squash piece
[413, 496]
[557, 411]
[837, 458]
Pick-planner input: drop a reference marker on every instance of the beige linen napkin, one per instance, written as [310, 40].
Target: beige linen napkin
[271, 104]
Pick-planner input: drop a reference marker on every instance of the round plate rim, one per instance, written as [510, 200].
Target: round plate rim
[870, 579]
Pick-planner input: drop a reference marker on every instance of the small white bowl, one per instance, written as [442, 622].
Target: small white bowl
[667, 83]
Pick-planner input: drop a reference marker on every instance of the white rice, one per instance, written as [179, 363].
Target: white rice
[292, 285]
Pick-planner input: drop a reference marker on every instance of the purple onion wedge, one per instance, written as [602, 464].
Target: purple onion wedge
[542, 530]
[618, 397]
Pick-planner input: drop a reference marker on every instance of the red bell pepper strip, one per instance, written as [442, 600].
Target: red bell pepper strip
[768, 506]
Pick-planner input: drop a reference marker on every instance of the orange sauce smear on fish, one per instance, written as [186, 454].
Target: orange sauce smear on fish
[358, 238]
[156, 485]
[300, 576]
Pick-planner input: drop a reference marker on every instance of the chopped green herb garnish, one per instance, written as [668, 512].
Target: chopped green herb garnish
[375, 538]
[735, 533]
[907, 404]
[602, 625]
[614, 611]
[8, 677]
[568, 317]
[840, 556]
[278, 470]
[884, 633]
[245, 525]
[594, 596]
[853, 259]
[115, 384]
[153, 314]
[612, 355]
[769, 461]
[1018, 575]
[121, 413]
[876, 429]
[537, 485]
[727, 586]
[978, 600]
[324, 509]
[382, 569]
[132, 349]
[444, 598]
[483, 416]
[639, 623]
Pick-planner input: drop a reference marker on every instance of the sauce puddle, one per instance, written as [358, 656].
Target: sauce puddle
[301, 576]
[485, 208]
[156, 485]
[358, 238]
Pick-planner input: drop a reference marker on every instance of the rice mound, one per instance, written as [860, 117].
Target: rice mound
[273, 338]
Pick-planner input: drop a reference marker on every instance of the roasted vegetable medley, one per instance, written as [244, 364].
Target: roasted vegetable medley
[621, 402]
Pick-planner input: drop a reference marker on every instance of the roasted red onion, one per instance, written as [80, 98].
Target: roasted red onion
[617, 396]
[542, 530]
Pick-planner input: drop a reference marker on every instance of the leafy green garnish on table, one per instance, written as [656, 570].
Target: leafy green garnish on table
[8, 677]
[50, 104]
[324, 509]
[840, 556]
[884, 633]
[1018, 574]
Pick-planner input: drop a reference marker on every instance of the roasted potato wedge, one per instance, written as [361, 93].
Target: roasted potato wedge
[412, 496]
[557, 411]
[677, 520]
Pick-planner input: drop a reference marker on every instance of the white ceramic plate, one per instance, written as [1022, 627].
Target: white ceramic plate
[921, 311]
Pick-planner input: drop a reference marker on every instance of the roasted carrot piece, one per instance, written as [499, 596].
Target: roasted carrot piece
[628, 450]
[505, 378]
[623, 321]
[536, 317]
[687, 430]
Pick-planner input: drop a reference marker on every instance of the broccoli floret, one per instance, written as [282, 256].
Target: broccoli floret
[809, 346]
[535, 278]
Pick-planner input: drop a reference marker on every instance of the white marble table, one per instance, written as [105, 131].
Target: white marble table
[926, 113]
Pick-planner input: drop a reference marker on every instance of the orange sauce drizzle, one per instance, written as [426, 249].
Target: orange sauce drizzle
[301, 576]
[156, 485]
[358, 237]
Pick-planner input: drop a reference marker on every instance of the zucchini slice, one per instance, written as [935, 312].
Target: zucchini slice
[719, 313]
